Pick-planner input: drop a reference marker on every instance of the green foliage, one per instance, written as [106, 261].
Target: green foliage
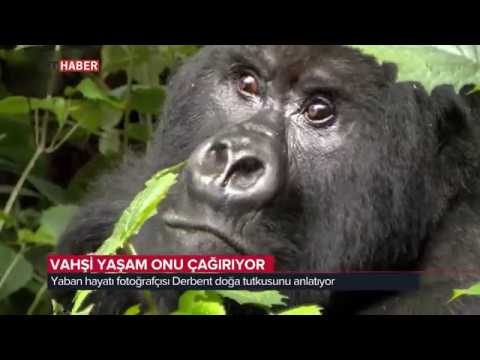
[133, 310]
[91, 90]
[15, 271]
[431, 65]
[475, 89]
[210, 302]
[51, 191]
[53, 223]
[14, 105]
[143, 64]
[261, 298]
[57, 308]
[474, 290]
[303, 310]
[191, 302]
[80, 297]
[147, 99]
[52, 145]
[143, 207]
[194, 302]
[109, 143]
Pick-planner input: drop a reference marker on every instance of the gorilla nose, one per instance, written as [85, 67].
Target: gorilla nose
[236, 169]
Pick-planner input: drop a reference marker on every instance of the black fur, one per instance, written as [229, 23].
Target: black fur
[390, 185]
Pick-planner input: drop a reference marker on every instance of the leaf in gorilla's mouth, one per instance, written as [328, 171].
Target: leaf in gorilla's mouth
[176, 222]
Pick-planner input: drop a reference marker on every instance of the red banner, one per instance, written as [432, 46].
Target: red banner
[160, 264]
[79, 65]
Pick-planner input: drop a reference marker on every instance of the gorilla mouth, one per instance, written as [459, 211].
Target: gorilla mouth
[175, 222]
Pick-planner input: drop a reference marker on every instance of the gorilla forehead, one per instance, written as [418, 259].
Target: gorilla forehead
[302, 62]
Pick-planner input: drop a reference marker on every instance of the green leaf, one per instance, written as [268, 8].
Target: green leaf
[18, 147]
[133, 310]
[21, 47]
[471, 291]
[9, 220]
[144, 63]
[109, 142]
[20, 105]
[139, 132]
[144, 99]
[53, 223]
[267, 298]
[28, 216]
[91, 90]
[147, 99]
[24, 192]
[148, 73]
[143, 207]
[302, 310]
[57, 308]
[121, 57]
[55, 220]
[85, 311]
[181, 51]
[51, 191]
[78, 300]
[38, 237]
[56, 105]
[432, 65]
[15, 271]
[474, 90]
[94, 115]
[193, 302]
[14, 105]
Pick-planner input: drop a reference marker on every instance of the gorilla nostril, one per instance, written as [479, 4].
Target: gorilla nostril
[215, 159]
[218, 148]
[249, 165]
[245, 172]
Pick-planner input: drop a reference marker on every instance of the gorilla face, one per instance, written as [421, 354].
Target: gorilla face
[310, 153]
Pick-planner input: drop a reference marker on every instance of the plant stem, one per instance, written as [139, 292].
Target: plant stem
[149, 119]
[53, 147]
[54, 73]
[37, 277]
[11, 266]
[128, 98]
[130, 249]
[40, 140]
[18, 186]
[38, 297]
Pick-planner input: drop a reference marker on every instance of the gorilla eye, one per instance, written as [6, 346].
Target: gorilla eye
[320, 113]
[248, 84]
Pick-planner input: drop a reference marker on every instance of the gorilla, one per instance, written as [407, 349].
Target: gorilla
[317, 155]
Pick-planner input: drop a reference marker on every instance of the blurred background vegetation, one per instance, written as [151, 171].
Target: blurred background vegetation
[58, 131]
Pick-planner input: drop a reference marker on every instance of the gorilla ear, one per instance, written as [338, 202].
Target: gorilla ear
[453, 114]
[458, 139]
[471, 97]
[390, 71]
